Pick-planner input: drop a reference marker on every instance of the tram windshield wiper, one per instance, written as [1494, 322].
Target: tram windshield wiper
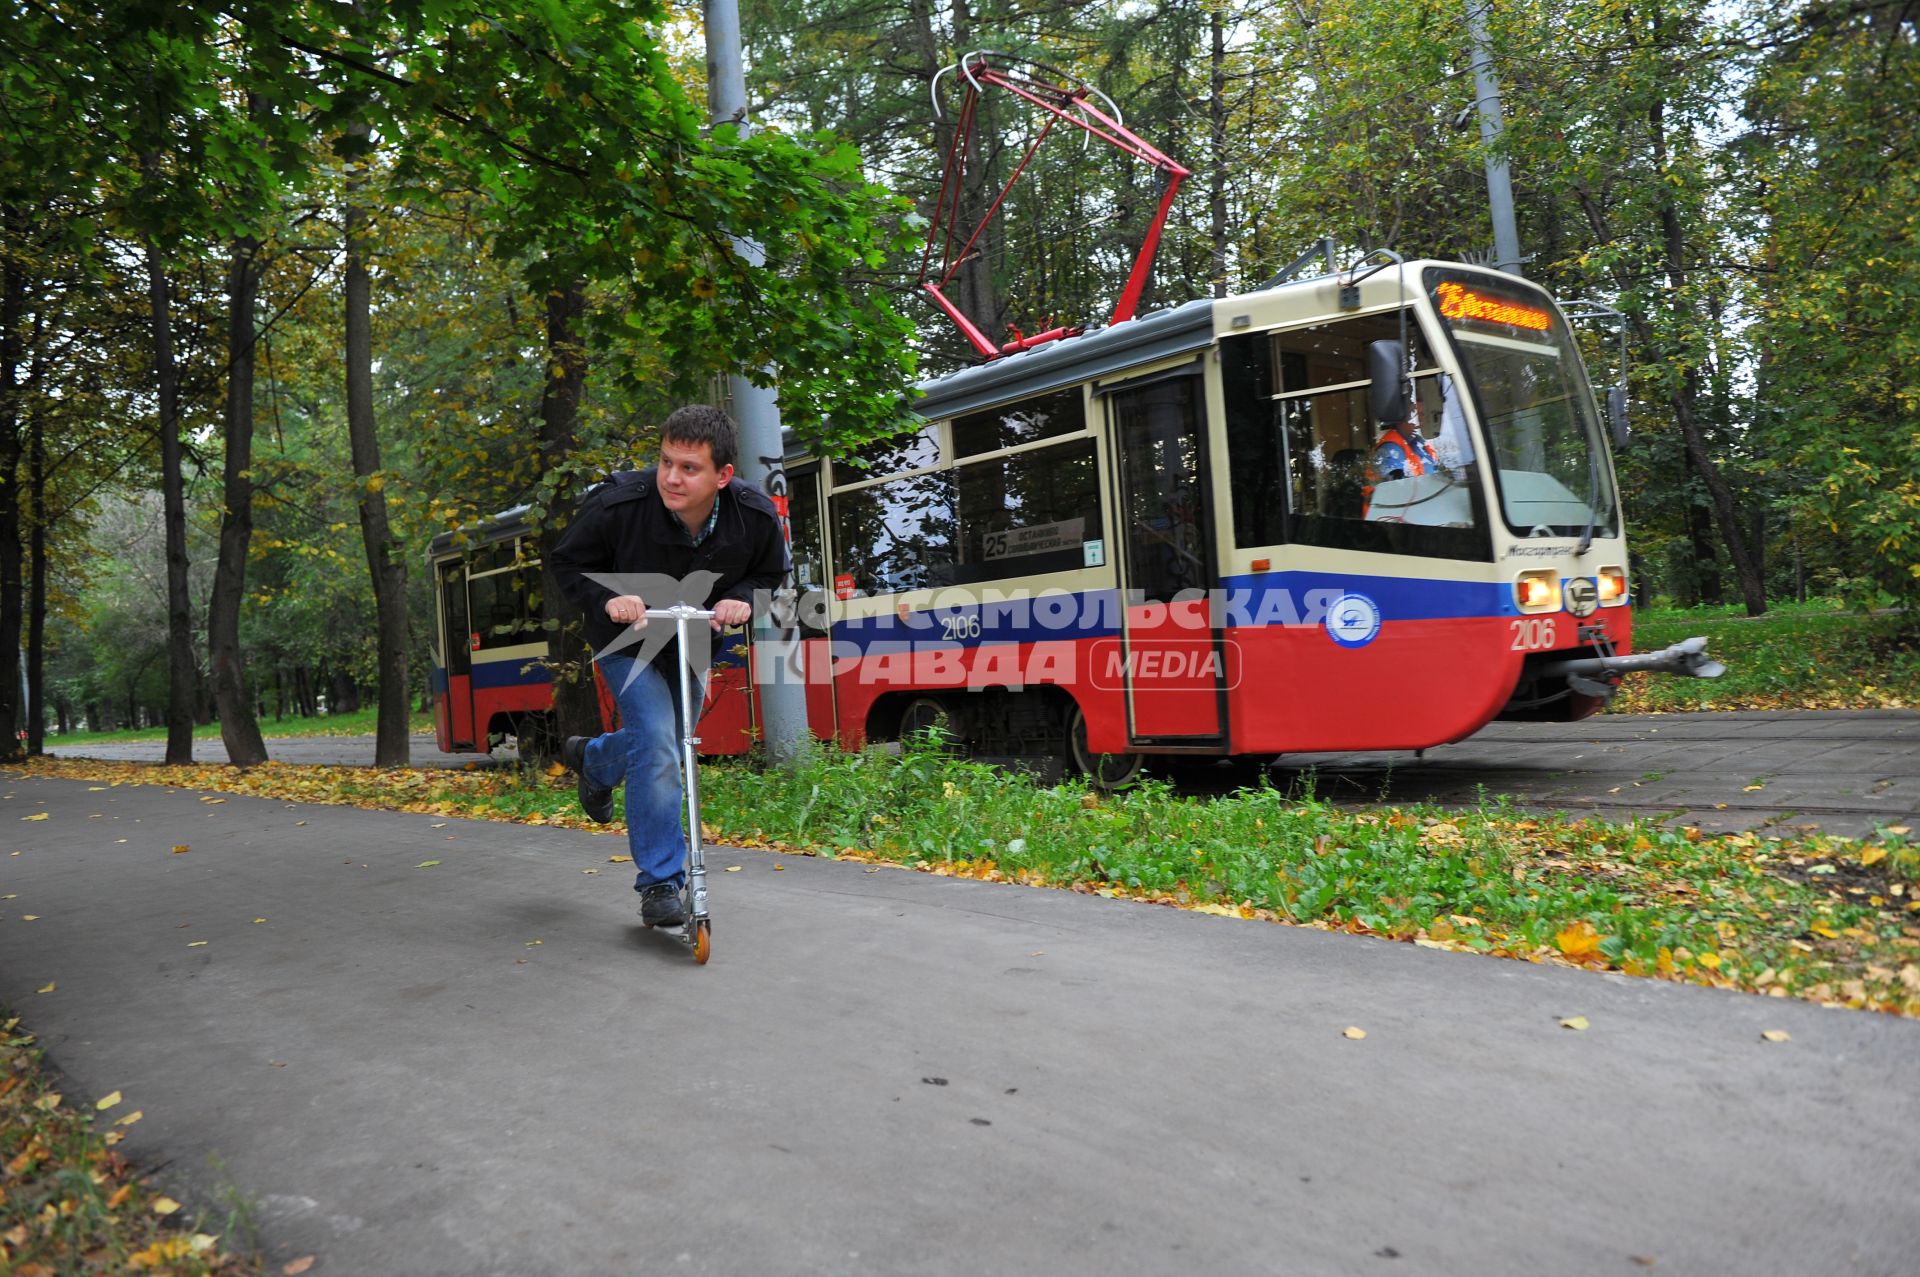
[1593, 496]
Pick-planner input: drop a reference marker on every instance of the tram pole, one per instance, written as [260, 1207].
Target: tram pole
[1486, 92]
[777, 653]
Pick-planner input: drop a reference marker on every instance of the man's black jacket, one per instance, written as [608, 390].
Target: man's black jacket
[622, 526]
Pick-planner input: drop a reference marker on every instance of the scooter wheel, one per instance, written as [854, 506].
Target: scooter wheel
[702, 941]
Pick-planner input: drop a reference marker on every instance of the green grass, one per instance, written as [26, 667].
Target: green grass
[1799, 656]
[359, 723]
[1635, 897]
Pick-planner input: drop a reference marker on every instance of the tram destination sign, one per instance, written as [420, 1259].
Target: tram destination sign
[1039, 538]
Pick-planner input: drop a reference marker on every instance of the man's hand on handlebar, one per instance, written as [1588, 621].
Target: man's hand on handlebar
[731, 612]
[628, 609]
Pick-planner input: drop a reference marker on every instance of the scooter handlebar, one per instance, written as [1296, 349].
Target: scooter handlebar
[679, 610]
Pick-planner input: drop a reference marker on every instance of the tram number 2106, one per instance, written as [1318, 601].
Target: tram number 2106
[1535, 633]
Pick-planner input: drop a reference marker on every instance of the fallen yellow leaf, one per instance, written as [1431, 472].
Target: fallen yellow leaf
[106, 1102]
[213, 800]
[733, 869]
[294, 1267]
[259, 919]
[29, 917]
[49, 988]
[1574, 1022]
[119, 1196]
[425, 864]
[1872, 855]
[38, 815]
[181, 848]
[165, 1206]
[1578, 940]
[196, 944]
[1353, 1032]
[131, 1118]
[619, 860]
[1777, 1035]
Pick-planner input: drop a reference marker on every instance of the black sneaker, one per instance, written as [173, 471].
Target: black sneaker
[595, 800]
[660, 906]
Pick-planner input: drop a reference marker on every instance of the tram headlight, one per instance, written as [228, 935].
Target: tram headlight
[1537, 592]
[1613, 587]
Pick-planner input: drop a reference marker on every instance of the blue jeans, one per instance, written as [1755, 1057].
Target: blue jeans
[644, 755]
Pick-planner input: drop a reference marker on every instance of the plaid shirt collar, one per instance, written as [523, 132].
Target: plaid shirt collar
[713, 521]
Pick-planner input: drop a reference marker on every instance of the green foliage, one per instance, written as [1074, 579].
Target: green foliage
[1837, 165]
[1805, 656]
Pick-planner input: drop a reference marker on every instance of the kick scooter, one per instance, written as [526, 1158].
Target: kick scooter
[697, 931]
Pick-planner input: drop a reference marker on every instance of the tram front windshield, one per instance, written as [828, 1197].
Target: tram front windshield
[1543, 435]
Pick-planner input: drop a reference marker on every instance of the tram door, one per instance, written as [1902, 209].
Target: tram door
[1173, 672]
[457, 643]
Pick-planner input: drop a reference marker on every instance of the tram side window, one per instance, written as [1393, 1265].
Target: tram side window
[1028, 513]
[1309, 465]
[505, 607]
[809, 554]
[896, 452]
[898, 535]
[1028, 421]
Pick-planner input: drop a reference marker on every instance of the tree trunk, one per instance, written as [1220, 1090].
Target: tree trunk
[37, 588]
[13, 304]
[1704, 588]
[1217, 148]
[384, 560]
[576, 707]
[972, 288]
[1685, 397]
[239, 729]
[181, 673]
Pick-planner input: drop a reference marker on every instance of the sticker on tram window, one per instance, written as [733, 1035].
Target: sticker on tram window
[1534, 633]
[1096, 552]
[1353, 620]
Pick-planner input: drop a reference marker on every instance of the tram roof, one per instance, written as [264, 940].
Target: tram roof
[1160, 334]
[496, 527]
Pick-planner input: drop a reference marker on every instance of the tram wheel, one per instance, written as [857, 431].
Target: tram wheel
[1108, 772]
[925, 715]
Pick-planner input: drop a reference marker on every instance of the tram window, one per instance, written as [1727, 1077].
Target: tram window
[893, 454]
[1042, 417]
[1257, 472]
[803, 522]
[1028, 513]
[1304, 453]
[505, 607]
[809, 556]
[456, 637]
[897, 535]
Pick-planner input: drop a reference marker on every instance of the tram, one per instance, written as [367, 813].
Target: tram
[1370, 510]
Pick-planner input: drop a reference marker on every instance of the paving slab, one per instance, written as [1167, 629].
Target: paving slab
[485, 1066]
[1849, 772]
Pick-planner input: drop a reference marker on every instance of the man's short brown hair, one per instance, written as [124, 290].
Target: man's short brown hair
[701, 423]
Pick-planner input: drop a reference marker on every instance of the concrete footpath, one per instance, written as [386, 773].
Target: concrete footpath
[485, 1066]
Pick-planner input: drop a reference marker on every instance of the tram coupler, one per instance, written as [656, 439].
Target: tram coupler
[1688, 657]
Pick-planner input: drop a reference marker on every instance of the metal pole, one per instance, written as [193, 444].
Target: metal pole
[778, 671]
[1486, 88]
